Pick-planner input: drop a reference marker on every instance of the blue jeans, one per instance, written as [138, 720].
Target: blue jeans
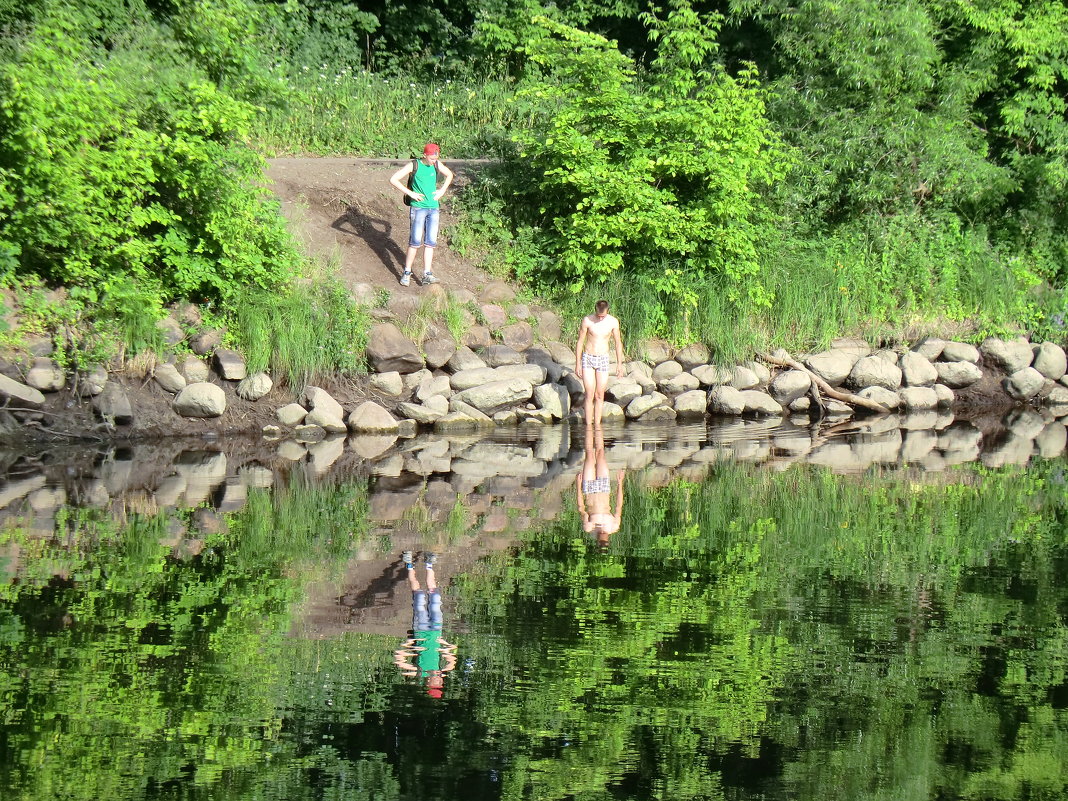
[424, 227]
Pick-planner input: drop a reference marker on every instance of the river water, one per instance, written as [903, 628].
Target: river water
[870, 611]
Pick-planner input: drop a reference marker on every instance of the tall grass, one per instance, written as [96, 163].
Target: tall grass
[313, 329]
[359, 112]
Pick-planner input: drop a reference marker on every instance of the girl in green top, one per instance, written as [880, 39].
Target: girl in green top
[424, 195]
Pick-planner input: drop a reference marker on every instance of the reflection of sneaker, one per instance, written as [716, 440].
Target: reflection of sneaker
[406, 279]
[429, 559]
[430, 278]
[406, 557]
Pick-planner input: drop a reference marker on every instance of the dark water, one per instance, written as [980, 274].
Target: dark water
[767, 622]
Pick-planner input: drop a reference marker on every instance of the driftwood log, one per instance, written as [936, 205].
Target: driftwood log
[825, 388]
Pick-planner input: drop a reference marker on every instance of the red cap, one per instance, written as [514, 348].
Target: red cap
[434, 692]
[431, 149]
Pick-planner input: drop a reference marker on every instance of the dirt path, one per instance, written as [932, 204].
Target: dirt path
[347, 206]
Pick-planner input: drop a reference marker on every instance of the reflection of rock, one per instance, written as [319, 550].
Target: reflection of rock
[371, 446]
[323, 454]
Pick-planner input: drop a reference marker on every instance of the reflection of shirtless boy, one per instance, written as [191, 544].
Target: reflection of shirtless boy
[593, 491]
[592, 363]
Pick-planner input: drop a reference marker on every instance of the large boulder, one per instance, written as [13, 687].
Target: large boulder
[291, 414]
[114, 404]
[693, 356]
[371, 418]
[917, 370]
[500, 355]
[644, 403]
[319, 398]
[918, 398]
[168, 377]
[518, 336]
[327, 421]
[710, 376]
[390, 383]
[691, 404]
[871, 371]
[201, 399]
[439, 347]
[683, 382]
[92, 382]
[1050, 361]
[1010, 356]
[464, 359]
[833, 366]
[744, 378]
[665, 370]
[554, 399]
[623, 392]
[1024, 384]
[46, 376]
[194, 370]
[255, 386]
[957, 375]
[655, 351]
[388, 349]
[495, 395]
[548, 322]
[431, 386]
[789, 385]
[725, 400]
[960, 352]
[498, 292]
[886, 398]
[230, 364]
[930, 348]
[757, 402]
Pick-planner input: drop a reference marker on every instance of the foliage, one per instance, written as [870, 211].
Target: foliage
[305, 333]
[654, 182]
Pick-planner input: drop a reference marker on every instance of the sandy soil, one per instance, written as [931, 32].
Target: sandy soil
[346, 206]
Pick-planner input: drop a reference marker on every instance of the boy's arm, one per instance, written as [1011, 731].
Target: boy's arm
[396, 181]
[578, 347]
[619, 350]
[438, 195]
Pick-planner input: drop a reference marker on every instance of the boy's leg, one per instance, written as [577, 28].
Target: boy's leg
[430, 242]
[589, 387]
[602, 384]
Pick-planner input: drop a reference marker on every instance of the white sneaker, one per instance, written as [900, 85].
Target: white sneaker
[430, 278]
[406, 279]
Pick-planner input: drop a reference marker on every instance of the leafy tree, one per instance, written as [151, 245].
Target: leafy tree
[655, 181]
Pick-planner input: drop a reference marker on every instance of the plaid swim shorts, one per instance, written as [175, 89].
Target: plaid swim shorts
[598, 362]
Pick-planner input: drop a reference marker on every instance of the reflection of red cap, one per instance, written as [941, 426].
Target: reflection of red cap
[433, 692]
[431, 149]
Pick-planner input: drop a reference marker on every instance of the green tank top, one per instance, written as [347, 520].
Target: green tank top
[429, 659]
[424, 181]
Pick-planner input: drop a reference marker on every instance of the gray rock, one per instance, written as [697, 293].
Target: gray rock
[642, 404]
[431, 386]
[572, 383]
[465, 359]
[92, 382]
[612, 412]
[230, 364]
[930, 348]
[291, 414]
[665, 370]
[201, 399]
[917, 371]
[656, 351]
[168, 377]
[691, 404]
[960, 352]
[329, 422]
[833, 366]
[46, 376]
[255, 386]
[743, 378]
[1010, 356]
[19, 394]
[760, 370]
[1025, 423]
[205, 342]
[881, 395]
[692, 356]
[388, 349]
[439, 349]
[623, 392]
[113, 404]
[918, 398]
[548, 322]
[1024, 384]
[498, 292]
[319, 398]
[500, 355]
[533, 416]
[1050, 360]
[291, 451]
[725, 400]
[542, 358]
[789, 385]
[371, 418]
[1051, 440]
[411, 381]
[757, 402]
[683, 382]
[491, 397]
[420, 413]
[871, 371]
[194, 370]
[802, 404]
[561, 353]
[945, 395]
[494, 314]
[309, 432]
[957, 375]
[171, 330]
[518, 336]
[553, 399]
[389, 383]
[659, 414]
[710, 376]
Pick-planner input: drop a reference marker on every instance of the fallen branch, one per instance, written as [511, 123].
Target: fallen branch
[827, 389]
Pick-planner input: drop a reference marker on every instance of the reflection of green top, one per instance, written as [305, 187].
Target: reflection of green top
[430, 657]
[425, 182]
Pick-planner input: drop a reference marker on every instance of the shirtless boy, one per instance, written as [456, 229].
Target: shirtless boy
[592, 363]
[593, 488]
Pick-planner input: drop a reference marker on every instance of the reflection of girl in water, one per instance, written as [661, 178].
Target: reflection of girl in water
[434, 657]
[593, 485]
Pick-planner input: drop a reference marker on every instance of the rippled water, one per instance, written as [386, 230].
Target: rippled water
[858, 613]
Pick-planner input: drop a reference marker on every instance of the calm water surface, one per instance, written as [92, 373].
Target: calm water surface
[773, 619]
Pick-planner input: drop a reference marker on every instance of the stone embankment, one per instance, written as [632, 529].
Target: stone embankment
[510, 367]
